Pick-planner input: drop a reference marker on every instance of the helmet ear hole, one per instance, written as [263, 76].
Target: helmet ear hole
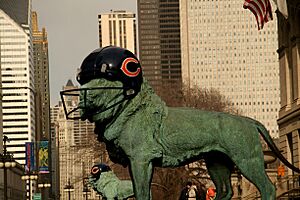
[129, 92]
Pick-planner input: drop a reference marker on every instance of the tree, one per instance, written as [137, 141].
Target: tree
[180, 95]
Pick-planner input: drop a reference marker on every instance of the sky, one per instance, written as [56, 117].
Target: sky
[72, 28]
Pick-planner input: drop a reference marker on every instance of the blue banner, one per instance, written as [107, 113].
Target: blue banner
[29, 156]
[43, 157]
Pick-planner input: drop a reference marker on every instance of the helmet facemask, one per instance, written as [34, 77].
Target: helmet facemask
[98, 99]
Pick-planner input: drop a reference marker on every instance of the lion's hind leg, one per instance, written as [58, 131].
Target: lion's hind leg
[253, 169]
[221, 177]
[219, 167]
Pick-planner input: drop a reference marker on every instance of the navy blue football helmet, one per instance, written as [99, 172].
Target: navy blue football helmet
[110, 63]
[98, 169]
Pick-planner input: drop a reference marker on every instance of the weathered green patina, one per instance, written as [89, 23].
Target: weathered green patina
[111, 187]
[143, 132]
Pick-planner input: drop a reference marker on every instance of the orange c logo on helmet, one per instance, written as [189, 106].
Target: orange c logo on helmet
[125, 69]
[95, 170]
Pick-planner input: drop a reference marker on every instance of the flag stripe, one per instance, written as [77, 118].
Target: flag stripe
[255, 14]
[257, 11]
[262, 6]
[261, 10]
[258, 15]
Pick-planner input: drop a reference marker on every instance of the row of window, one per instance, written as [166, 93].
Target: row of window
[15, 120]
[14, 107]
[15, 113]
[13, 56]
[13, 62]
[14, 82]
[15, 101]
[12, 36]
[14, 75]
[15, 126]
[13, 43]
[13, 94]
[13, 49]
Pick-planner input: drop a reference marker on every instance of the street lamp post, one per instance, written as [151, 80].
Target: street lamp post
[31, 176]
[43, 186]
[6, 161]
[69, 188]
[86, 192]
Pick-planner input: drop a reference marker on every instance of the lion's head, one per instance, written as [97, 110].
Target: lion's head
[100, 100]
[108, 77]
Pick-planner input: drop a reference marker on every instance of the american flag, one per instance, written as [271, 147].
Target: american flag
[261, 9]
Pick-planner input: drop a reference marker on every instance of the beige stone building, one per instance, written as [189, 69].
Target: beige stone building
[118, 28]
[289, 114]
[74, 139]
[222, 49]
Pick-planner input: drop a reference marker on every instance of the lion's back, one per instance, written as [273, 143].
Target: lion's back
[190, 120]
[191, 130]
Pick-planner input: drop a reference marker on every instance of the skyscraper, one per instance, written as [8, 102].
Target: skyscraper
[159, 41]
[17, 76]
[41, 79]
[118, 28]
[222, 49]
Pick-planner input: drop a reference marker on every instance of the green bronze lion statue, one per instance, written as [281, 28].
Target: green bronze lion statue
[141, 131]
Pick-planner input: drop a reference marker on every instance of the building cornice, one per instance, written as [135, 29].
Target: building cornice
[288, 115]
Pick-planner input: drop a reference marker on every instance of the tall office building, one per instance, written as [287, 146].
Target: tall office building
[222, 49]
[42, 99]
[73, 139]
[159, 41]
[118, 28]
[41, 76]
[17, 75]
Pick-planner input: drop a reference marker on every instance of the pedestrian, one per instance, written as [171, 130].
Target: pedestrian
[189, 192]
[193, 191]
[210, 193]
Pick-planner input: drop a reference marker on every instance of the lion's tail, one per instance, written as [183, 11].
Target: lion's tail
[265, 134]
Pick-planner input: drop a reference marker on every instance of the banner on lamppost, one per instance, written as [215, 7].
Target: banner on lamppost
[29, 156]
[43, 150]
